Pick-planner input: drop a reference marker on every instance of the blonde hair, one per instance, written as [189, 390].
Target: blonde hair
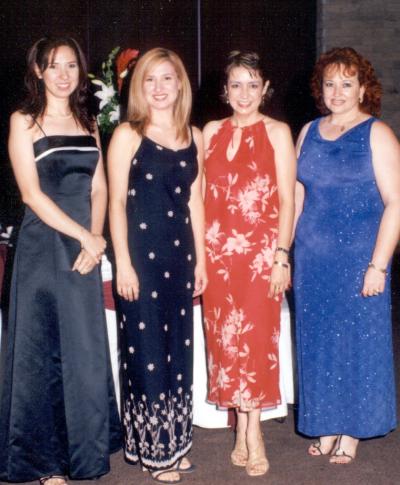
[138, 110]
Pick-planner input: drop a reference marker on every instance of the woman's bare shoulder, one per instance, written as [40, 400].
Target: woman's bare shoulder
[213, 126]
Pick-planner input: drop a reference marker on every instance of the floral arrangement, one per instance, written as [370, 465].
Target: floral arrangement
[113, 71]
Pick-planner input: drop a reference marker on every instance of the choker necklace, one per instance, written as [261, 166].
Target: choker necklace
[63, 117]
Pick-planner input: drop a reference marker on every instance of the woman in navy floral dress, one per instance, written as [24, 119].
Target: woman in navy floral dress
[157, 227]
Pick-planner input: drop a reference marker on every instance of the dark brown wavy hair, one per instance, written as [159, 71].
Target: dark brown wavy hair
[353, 63]
[40, 55]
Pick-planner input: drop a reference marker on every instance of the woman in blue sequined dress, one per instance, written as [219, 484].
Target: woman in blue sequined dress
[349, 198]
[157, 228]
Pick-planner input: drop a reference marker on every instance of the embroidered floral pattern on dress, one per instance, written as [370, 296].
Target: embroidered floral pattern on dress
[149, 421]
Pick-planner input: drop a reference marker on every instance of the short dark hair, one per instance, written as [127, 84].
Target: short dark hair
[247, 59]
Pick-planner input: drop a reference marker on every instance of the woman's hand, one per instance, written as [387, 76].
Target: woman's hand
[374, 282]
[127, 283]
[84, 263]
[200, 280]
[94, 244]
[280, 278]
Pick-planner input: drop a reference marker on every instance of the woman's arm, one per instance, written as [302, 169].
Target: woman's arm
[285, 166]
[299, 187]
[84, 262]
[20, 147]
[196, 207]
[386, 163]
[124, 144]
[99, 193]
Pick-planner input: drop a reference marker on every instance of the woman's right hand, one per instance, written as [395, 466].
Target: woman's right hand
[94, 244]
[127, 283]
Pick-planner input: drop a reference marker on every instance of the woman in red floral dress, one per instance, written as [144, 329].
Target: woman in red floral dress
[250, 173]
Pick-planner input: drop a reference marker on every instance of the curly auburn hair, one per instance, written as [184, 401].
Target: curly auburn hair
[353, 63]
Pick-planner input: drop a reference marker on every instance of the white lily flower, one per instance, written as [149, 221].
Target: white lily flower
[114, 114]
[105, 94]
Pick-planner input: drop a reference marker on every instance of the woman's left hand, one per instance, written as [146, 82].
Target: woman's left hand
[280, 280]
[200, 280]
[84, 263]
[374, 282]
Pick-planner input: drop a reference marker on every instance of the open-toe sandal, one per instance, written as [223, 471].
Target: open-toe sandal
[157, 476]
[344, 457]
[44, 480]
[257, 463]
[180, 469]
[317, 447]
[240, 455]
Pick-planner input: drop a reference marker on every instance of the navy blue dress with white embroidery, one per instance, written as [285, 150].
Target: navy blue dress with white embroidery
[157, 329]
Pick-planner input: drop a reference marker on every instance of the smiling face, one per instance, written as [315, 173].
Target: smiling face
[161, 86]
[61, 76]
[244, 90]
[341, 89]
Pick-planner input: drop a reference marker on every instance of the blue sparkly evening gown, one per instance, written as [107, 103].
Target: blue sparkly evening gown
[344, 341]
[58, 413]
[156, 331]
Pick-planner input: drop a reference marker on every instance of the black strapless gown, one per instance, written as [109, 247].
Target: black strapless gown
[58, 411]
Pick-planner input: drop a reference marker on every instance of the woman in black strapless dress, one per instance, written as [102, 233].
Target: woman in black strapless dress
[58, 415]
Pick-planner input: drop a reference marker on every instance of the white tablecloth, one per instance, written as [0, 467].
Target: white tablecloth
[208, 415]
[204, 414]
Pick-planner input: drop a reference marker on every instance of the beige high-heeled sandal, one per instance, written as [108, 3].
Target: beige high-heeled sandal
[240, 454]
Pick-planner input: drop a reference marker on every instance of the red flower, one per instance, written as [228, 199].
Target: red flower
[124, 62]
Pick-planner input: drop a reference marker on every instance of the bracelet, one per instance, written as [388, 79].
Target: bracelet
[382, 270]
[283, 265]
[283, 250]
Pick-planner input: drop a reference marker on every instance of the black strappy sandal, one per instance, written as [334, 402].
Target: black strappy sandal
[339, 452]
[317, 446]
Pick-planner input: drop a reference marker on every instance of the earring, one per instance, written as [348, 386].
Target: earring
[224, 97]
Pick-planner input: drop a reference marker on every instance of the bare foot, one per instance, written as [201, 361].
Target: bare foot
[323, 446]
[345, 450]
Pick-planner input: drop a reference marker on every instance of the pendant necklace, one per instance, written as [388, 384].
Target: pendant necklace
[342, 127]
